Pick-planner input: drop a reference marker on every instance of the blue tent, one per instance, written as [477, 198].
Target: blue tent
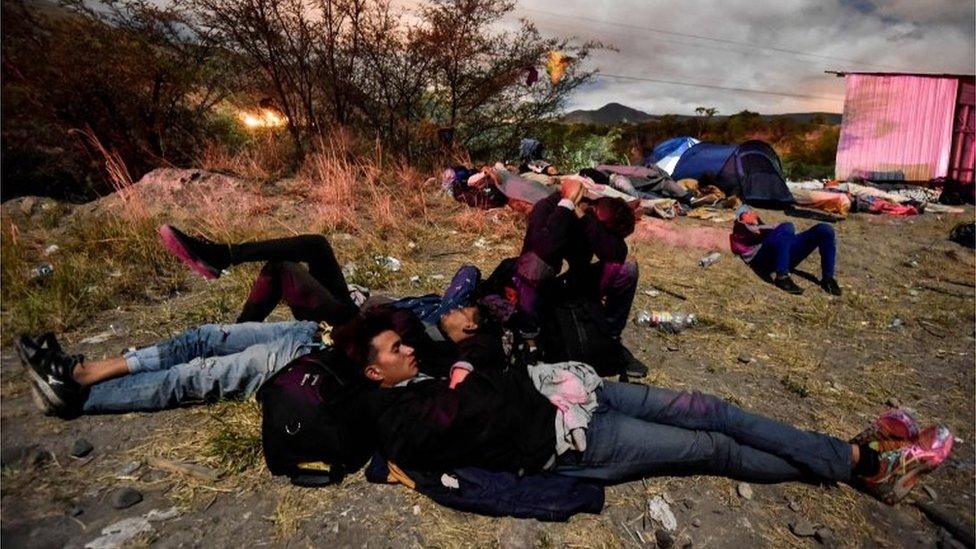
[667, 153]
[751, 171]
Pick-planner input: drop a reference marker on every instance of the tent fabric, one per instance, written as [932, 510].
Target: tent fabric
[667, 153]
[752, 171]
[896, 127]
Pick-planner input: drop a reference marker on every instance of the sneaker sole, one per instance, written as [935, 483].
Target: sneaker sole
[54, 402]
[172, 243]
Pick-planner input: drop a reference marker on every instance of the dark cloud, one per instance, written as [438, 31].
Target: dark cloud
[872, 35]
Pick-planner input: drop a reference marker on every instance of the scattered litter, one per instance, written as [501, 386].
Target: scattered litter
[129, 468]
[415, 279]
[652, 293]
[411, 244]
[481, 243]
[42, 270]
[81, 448]
[97, 338]
[913, 293]
[802, 528]
[709, 260]
[659, 510]
[745, 490]
[896, 324]
[416, 509]
[665, 321]
[911, 263]
[388, 262]
[436, 277]
[51, 249]
[119, 534]
[124, 498]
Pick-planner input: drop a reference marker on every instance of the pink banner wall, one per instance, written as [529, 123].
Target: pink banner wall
[896, 127]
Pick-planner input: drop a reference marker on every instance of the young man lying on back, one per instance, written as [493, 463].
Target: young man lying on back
[566, 419]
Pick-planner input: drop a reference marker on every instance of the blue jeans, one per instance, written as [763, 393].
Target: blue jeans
[459, 293]
[782, 249]
[639, 431]
[203, 364]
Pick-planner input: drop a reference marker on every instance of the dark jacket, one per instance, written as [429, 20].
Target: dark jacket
[555, 234]
[494, 420]
[542, 496]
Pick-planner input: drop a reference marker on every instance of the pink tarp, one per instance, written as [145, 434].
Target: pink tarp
[896, 127]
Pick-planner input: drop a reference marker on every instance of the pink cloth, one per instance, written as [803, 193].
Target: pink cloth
[683, 236]
[896, 127]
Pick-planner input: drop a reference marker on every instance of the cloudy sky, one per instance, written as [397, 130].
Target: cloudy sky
[781, 46]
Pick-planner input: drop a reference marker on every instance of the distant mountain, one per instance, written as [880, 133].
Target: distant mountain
[615, 113]
[609, 114]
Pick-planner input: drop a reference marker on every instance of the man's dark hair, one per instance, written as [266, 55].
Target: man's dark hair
[355, 338]
[615, 215]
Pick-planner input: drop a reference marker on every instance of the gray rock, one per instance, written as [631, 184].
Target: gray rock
[76, 511]
[664, 538]
[794, 506]
[81, 448]
[825, 536]
[124, 498]
[745, 358]
[744, 490]
[802, 528]
[129, 468]
[696, 522]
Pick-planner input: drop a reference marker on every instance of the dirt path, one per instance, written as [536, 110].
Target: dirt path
[820, 362]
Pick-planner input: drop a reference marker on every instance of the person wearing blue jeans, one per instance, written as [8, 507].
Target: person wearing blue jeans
[564, 418]
[778, 249]
[203, 364]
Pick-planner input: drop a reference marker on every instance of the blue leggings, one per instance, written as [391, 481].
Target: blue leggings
[782, 249]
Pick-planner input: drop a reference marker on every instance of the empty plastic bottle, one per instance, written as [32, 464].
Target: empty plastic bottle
[709, 259]
[666, 321]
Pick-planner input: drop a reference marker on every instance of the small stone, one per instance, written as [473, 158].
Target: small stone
[825, 536]
[893, 403]
[76, 511]
[688, 503]
[81, 448]
[125, 498]
[664, 538]
[744, 490]
[129, 468]
[913, 293]
[416, 509]
[672, 348]
[745, 359]
[802, 528]
[696, 522]
[795, 506]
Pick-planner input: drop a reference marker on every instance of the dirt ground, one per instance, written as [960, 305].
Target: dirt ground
[902, 333]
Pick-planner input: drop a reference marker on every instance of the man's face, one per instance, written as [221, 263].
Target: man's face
[394, 360]
[458, 324]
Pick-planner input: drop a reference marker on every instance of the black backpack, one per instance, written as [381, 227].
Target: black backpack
[576, 330]
[313, 425]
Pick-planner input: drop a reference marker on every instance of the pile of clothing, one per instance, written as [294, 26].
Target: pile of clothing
[841, 198]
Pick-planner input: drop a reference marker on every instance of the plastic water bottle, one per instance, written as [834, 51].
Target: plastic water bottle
[709, 259]
[666, 321]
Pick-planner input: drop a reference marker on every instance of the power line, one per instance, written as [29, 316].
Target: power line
[709, 38]
[718, 87]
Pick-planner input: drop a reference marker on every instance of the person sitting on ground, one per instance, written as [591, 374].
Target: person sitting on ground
[565, 419]
[559, 229]
[777, 249]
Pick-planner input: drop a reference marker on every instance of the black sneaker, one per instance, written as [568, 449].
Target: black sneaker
[830, 286]
[55, 390]
[634, 368]
[205, 257]
[787, 285]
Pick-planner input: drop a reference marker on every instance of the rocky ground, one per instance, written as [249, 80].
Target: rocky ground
[902, 334]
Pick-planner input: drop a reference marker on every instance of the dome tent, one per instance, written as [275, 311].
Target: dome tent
[667, 153]
[751, 171]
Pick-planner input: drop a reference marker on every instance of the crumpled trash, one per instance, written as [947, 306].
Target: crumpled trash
[41, 271]
[389, 263]
[660, 511]
[896, 324]
[51, 249]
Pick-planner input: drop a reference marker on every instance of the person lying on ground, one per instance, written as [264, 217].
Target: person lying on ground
[776, 250]
[565, 419]
[558, 230]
